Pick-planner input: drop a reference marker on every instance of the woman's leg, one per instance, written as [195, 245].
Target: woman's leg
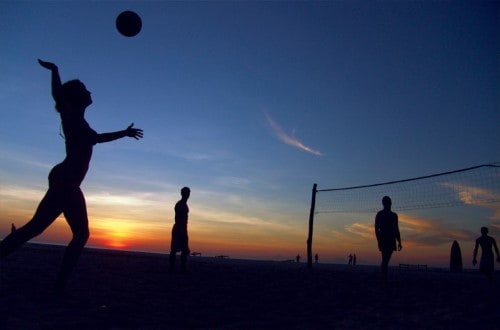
[48, 210]
[75, 212]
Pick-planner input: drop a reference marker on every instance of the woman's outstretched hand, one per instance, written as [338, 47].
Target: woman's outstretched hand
[48, 65]
[136, 133]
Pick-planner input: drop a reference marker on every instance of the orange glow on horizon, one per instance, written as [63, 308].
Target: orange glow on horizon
[114, 234]
[426, 240]
[116, 240]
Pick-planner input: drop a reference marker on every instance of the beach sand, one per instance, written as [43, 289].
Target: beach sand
[131, 290]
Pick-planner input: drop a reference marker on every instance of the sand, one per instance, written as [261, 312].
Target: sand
[130, 290]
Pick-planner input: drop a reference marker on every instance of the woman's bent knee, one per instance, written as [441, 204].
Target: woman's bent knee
[80, 239]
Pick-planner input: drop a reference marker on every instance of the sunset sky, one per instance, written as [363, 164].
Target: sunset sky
[249, 104]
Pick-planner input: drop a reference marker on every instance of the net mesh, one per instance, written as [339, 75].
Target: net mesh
[477, 185]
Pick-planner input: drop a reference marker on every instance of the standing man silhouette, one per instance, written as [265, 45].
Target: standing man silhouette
[180, 239]
[387, 233]
[64, 194]
[487, 243]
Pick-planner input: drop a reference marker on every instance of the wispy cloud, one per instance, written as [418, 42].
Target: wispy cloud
[431, 232]
[416, 231]
[288, 139]
[471, 195]
[477, 196]
[8, 154]
[232, 181]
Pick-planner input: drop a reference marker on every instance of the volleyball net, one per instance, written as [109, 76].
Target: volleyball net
[473, 186]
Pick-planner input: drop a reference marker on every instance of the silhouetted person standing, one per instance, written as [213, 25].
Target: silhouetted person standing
[387, 233]
[487, 243]
[64, 194]
[180, 241]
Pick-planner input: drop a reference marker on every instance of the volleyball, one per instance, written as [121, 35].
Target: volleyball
[128, 23]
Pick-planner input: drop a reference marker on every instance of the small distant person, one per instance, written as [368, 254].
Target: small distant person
[387, 233]
[64, 194]
[180, 241]
[350, 260]
[487, 243]
[316, 258]
[297, 258]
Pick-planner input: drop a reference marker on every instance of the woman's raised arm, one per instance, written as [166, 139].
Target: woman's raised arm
[56, 80]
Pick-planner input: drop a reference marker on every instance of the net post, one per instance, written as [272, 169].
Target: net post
[311, 222]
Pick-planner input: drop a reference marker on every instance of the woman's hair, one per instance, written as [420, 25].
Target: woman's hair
[71, 93]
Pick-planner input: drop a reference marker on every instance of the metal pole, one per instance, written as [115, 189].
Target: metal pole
[311, 221]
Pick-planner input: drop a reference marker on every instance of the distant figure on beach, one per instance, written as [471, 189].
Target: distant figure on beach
[180, 241]
[316, 258]
[487, 243]
[387, 233]
[297, 258]
[349, 262]
[64, 194]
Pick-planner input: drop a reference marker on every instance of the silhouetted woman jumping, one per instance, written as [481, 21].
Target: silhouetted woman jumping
[64, 194]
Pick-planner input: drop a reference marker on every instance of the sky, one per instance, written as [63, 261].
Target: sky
[249, 103]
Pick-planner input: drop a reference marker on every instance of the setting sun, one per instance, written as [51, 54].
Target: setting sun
[113, 233]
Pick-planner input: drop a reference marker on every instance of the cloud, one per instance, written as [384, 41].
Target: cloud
[287, 139]
[471, 195]
[363, 230]
[232, 181]
[431, 232]
[7, 154]
[477, 196]
[415, 231]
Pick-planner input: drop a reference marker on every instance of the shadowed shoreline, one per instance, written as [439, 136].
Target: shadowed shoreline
[133, 290]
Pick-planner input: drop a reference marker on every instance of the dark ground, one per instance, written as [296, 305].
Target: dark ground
[129, 290]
